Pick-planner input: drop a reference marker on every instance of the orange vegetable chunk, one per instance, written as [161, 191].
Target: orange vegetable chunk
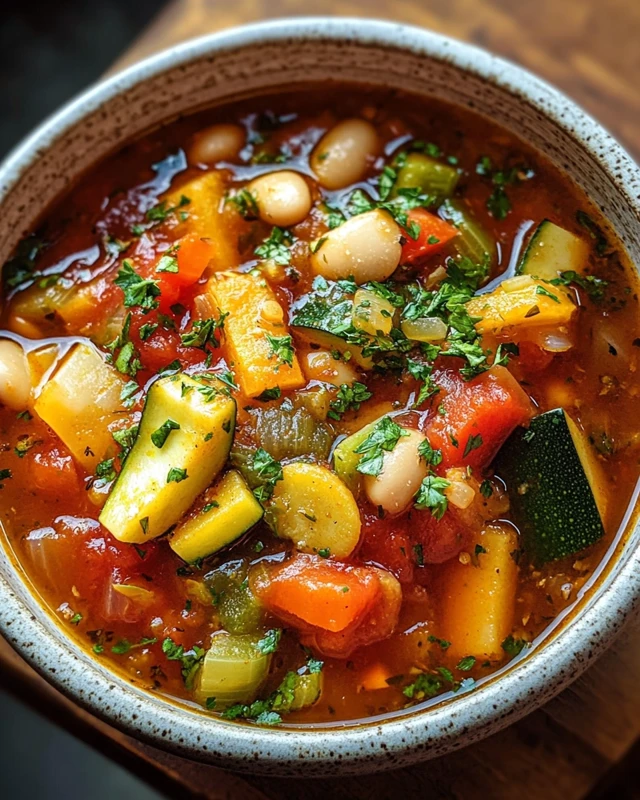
[325, 594]
[433, 236]
[254, 315]
[477, 416]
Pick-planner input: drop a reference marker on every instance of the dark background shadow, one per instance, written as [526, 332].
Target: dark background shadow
[50, 51]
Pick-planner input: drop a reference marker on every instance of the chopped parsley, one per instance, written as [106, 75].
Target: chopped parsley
[486, 489]
[349, 398]
[76, 619]
[595, 232]
[138, 291]
[429, 454]
[383, 438]
[467, 663]
[126, 438]
[190, 660]
[169, 261]
[513, 647]
[105, 470]
[594, 287]
[124, 645]
[203, 332]
[281, 348]
[127, 360]
[160, 436]
[431, 495]
[443, 643]
[541, 290]
[267, 470]
[269, 394]
[498, 203]
[245, 202]
[177, 475]
[269, 642]
[277, 247]
[473, 443]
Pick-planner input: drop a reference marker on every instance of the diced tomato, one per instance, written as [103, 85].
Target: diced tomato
[532, 358]
[317, 592]
[169, 291]
[386, 542]
[433, 236]
[193, 255]
[475, 417]
[438, 539]
[53, 471]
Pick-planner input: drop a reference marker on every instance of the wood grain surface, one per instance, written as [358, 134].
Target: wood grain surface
[588, 48]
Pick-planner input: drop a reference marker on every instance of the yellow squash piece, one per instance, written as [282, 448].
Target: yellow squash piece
[80, 401]
[521, 302]
[478, 598]
[312, 507]
[205, 216]
[254, 314]
[158, 484]
[230, 509]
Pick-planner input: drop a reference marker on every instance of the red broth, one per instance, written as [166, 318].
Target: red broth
[427, 586]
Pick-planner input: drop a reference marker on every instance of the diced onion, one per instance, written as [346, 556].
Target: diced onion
[132, 592]
[372, 313]
[460, 494]
[425, 329]
[556, 342]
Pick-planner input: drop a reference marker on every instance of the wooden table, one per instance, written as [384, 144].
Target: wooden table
[580, 743]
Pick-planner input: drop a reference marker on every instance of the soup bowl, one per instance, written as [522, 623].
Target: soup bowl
[242, 63]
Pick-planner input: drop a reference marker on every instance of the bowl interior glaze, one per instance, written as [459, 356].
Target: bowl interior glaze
[245, 62]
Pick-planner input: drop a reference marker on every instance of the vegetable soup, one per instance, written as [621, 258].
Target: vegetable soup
[318, 406]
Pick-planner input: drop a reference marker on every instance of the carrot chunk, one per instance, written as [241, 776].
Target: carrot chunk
[434, 233]
[325, 594]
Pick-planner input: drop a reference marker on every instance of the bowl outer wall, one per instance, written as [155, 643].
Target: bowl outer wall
[249, 60]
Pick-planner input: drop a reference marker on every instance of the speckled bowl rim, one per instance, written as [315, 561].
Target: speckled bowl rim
[369, 746]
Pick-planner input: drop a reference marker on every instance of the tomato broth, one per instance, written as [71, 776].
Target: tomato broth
[385, 355]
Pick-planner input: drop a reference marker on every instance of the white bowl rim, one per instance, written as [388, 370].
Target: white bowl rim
[371, 745]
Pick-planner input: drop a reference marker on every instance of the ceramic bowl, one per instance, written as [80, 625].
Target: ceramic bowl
[243, 62]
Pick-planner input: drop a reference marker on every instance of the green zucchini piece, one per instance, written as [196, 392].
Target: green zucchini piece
[346, 460]
[552, 250]
[233, 671]
[239, 610]
[473, 242]
[433, 178]
[555, 487]
[160, 481]
[230, 510]
[325, 319]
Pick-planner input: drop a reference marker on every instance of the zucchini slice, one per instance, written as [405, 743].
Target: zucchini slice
[326, 319]
[552, 250]
[160, 480]
[555, 485]
[312, 507]
[230, 510]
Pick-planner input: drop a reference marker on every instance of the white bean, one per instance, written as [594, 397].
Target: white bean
[15, 385]
[283, 197]
[217, 143]
[402, 473]
[343, 154]
[319, 365]
[366, 247]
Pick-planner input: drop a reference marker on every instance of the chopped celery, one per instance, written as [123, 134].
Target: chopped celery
[473, 242]
[287, 432]
[233, 671]
[430, 176]
[241, 457]
[238, 608]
